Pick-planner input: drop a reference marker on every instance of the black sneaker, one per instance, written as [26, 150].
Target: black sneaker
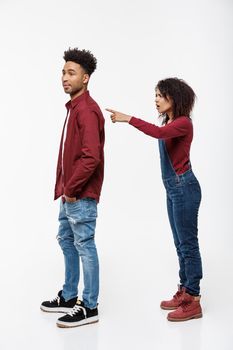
[79, 316]
[58, 304]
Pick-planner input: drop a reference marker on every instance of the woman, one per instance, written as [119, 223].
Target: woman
[174, 102]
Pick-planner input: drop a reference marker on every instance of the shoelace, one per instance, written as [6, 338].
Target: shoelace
[185, 303]
[76, 309]
[178, 294]
[55, 299]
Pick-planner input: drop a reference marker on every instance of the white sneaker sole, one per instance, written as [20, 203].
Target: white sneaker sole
[63, 310]
[89, 320]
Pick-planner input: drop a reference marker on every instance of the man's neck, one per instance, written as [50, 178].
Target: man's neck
[79, 93]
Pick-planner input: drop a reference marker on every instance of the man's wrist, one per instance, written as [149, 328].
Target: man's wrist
[70, 199]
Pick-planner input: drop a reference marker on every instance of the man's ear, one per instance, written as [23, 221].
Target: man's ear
[86, 78]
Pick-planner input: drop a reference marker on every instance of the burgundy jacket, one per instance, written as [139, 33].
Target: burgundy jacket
[83, 158]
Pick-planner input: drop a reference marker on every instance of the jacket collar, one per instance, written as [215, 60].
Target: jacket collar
[77, 100]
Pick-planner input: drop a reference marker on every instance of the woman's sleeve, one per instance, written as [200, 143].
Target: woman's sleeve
[179, 127]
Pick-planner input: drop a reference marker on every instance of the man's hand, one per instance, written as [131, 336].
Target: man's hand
[70, 199]
[118, 116]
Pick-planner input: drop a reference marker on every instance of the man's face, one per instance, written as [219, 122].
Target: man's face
[74, 78]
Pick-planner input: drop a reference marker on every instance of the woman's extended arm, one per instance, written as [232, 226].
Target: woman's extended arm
[179, 127]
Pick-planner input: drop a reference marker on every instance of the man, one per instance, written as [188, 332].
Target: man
[80, 172]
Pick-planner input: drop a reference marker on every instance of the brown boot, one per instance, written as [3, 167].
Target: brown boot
[190, 308]
[175, 302]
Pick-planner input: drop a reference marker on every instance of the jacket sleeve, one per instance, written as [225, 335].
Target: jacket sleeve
[179, 127]
[90, 157]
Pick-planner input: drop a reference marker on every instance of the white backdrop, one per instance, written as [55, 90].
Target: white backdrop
[136, 43]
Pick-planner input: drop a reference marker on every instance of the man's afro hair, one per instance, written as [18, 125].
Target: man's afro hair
[83, 57]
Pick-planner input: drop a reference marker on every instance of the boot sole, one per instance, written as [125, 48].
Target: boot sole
[184, 319]
[169, 308]
[62, 324]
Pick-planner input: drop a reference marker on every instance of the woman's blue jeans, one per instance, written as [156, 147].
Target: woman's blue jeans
[183, 201]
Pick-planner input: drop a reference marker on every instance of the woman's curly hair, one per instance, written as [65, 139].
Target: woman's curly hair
[83, 57]
[181, 94]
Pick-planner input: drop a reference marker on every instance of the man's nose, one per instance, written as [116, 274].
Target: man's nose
[64, 77]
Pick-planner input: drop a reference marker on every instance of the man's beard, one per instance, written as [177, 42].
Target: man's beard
[74, 92]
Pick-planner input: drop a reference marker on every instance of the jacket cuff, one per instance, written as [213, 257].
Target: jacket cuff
[132, 121]
[68, 193]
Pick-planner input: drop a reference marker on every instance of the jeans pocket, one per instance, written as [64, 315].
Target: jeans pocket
[174, 183]
[82, 210]
[194, 191]
[90, 208]
[72, 205]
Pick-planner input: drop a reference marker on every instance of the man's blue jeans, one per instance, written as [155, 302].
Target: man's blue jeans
[76, 238]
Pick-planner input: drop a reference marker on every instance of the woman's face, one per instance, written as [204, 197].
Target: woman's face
[163, 105]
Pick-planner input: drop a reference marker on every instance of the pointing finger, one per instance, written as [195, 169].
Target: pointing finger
[110, 110]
